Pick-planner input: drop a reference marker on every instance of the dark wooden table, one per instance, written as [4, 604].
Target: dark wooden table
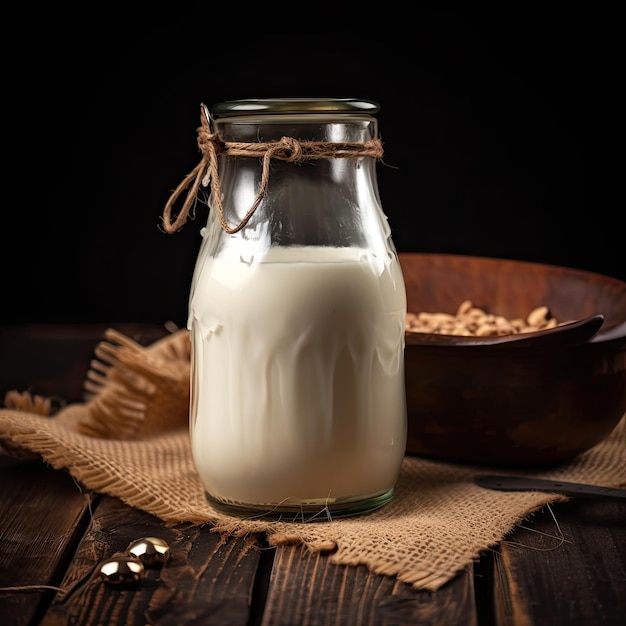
[565, 565]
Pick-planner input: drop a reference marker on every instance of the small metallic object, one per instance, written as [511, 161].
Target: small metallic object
[122, 571]
[522, 483]
[152, 551]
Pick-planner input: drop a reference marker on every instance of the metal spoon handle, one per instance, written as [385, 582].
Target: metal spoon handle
[521, 483]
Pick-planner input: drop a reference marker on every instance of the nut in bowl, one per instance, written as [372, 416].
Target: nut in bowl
[511, 363]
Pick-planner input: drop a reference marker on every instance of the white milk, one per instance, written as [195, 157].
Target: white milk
[298, 376]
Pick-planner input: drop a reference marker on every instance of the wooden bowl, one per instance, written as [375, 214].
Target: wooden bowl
[522, 400]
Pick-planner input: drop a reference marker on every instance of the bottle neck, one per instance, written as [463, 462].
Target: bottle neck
[312, 195]
[311, 137]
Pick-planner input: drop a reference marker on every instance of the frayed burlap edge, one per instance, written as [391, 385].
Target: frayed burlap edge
[438, 523]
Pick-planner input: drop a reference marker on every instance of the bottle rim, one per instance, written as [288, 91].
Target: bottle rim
[291, 106]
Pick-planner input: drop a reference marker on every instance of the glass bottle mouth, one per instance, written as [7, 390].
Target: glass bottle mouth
[332, 120]
[294, 106]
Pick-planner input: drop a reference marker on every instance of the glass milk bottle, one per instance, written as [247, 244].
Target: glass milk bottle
[296, 314]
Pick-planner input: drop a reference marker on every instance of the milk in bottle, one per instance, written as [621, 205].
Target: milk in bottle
[296, 315]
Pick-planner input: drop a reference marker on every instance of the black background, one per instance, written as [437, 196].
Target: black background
[500, 129]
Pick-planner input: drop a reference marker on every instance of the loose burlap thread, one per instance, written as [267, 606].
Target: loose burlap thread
[437, 524]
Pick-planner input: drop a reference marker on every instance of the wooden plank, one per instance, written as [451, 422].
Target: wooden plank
[206, 580]
[306, 588]
[569, 568]
[52, 360]
[37, 535]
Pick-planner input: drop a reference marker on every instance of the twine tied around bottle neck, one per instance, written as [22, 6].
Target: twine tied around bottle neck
[286, 149]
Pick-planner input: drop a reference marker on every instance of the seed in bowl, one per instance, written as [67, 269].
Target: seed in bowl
[470, 320]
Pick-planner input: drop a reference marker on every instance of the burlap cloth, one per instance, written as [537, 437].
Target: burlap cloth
[130, 440]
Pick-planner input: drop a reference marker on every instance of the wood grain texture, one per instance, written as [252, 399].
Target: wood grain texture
[206, 580]
[568, 568]
[306, 588]
[37, 534]
[51, 533]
